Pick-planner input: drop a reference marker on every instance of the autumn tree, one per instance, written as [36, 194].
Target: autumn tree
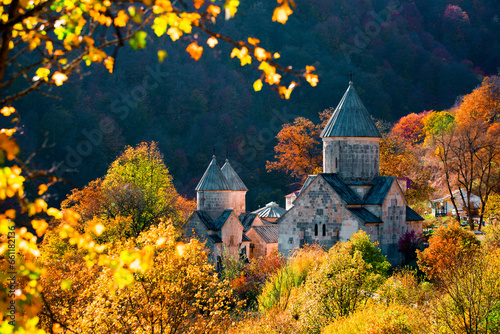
[138, 187]
[60, 36]
[447, 246]
[298, 151]
[411, 128]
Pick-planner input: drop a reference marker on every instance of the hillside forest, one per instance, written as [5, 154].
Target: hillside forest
[111, 112]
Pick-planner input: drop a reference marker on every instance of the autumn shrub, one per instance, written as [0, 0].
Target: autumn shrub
[492, 237]
[177, 290]
[446, 247]
[380, 319]
[470, 295]
[255, 274]
[405, 288]
[278, 288]
[273, 321]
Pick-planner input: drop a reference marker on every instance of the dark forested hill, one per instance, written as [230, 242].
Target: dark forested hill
[406, 56]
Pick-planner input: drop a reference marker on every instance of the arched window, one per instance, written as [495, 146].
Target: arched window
[315, 230]
[324, 230]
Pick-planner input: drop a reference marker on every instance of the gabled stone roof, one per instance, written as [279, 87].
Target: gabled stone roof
[247, 219]
[219, 223]
[346, 193]
[350, 118]
[234, 181]
[365, 215]
[381, 186]
[268, 233]
[215, 238]
[213, 179]
[271, 210]
[205, 219]
[412, 216]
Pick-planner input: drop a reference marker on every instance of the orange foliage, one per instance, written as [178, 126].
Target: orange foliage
[446, 247]
[410, 127]
[483, 103]
[298, 151]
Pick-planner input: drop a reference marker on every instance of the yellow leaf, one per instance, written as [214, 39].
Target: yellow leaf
[99, 229]
[198, 3]
[261, 54]
[213, 10]
[312, 79]
[242, 54]
[310, 68]
[109, 63]
[54, 213]
[174, 33]
[11, 213]
[7, 111]
[59, 78]
[285, 92]
[281, 13]
[253, 41]
[49, 47]
[212, 41]
[257, 85]
[42, 189]
[180, 247]
[121, 19]
[40, 226]
[161, 55]
[42, 72]
[195, 50]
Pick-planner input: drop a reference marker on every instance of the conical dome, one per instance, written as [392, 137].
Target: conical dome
[213, 179]
[350, 118]
[234, 181]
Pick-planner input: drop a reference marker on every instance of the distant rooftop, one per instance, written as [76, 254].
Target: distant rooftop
[271, 210]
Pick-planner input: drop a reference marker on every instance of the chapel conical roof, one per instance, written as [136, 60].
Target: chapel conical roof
[350, 118]
[232, 178]
[213, 179]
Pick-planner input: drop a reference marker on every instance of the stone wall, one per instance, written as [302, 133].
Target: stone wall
[318, 217]
[213, 202]
[231, 235]
[394, 226]
[237, 202]
[351, 158]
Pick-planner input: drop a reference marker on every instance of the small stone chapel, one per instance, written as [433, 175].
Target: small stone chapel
[349, 195]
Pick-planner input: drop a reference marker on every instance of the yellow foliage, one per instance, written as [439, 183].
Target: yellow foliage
[242, 54]
[282, 12]
[212, 41]
[194, 50]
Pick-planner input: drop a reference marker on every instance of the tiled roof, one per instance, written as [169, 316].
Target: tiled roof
[232, 177]
[350, 118]
[222, 220]
[365, 215]
[346, 193]
[215, 238]
[245, 238]
[271, 210]
[412, 216]
[205, 219]
[381, 186]
[213, 179]
[268, 233]
[247, 219]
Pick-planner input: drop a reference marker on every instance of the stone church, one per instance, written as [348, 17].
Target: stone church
[221, 220]
[348, 196]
